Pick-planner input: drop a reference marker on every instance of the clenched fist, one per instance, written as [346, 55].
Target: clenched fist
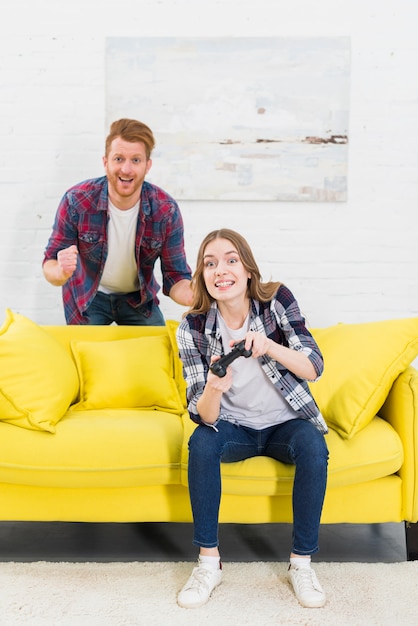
[67, 260]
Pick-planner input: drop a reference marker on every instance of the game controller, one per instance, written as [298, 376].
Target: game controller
[219, 367]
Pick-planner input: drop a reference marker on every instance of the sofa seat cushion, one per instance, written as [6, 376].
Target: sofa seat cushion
[375, 452]
[97, 448]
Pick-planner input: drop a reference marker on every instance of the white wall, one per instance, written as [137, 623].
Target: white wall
[353, 261]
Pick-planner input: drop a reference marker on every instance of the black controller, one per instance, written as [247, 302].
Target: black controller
[219, 367]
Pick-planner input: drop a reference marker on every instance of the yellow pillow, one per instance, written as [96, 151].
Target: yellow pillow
[361, 363]
[127, 373]
[38, 378]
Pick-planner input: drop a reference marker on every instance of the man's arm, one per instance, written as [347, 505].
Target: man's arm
[58, 271]
[182, 293]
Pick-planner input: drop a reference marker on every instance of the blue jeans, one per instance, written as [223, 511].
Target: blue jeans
[297, 441]
[108, 308]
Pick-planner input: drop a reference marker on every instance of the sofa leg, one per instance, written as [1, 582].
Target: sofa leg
[411, 533]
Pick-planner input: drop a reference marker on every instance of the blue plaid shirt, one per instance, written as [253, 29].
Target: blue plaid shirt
[81, 220]
[199, 337]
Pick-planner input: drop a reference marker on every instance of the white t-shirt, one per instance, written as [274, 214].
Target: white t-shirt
[252, 400]
[120, 273]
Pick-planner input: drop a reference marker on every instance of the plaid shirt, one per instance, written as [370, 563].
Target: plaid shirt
[199, 337]
[81, 220]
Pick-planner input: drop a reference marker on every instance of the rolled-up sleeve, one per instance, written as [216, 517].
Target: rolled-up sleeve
[292, 323]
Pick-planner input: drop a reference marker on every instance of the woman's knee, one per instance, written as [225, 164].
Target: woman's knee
[318, 444]
[312, 444]
[318, 451]
[203, 440]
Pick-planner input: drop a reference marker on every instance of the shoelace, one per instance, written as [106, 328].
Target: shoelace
[306, 580]
[199, 577]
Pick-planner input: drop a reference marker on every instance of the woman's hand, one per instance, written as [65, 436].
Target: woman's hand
[258, 343]
[295, 361]
[209, 403]
[217, 383]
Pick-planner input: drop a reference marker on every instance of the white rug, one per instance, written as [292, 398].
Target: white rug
[257, 594]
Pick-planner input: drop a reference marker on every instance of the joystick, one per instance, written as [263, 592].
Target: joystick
[219, 367]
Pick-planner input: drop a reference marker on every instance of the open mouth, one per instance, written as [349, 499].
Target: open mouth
[125, 180]
[224, 283]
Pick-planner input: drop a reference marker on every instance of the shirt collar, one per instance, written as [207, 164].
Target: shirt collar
[211, 327]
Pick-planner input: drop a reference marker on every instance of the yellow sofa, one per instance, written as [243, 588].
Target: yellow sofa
[94, 428]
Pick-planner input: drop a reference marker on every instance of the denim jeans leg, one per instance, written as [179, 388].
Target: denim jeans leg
[306, 448]
[100, 310]
[207, 448]
[311, 460]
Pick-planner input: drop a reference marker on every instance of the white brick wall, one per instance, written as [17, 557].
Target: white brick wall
[353, 261]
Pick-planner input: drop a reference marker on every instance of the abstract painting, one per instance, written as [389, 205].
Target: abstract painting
[261, 118]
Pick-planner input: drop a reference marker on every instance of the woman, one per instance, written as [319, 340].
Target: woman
[261, 406]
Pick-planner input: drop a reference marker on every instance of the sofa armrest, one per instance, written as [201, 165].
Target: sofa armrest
[401, 411]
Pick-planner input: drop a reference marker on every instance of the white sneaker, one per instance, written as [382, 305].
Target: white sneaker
[196, 592]
[306, 586]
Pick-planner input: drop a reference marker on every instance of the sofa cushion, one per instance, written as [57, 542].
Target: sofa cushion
[127, 373]
[38, 378]
[98, 448]
[374, 453]
[361, 363]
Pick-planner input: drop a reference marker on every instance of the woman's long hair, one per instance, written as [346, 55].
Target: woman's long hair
[256, 289]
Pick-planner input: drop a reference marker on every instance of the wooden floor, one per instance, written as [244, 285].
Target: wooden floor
[75, 542]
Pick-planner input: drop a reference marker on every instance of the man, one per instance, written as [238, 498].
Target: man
[108, 234]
